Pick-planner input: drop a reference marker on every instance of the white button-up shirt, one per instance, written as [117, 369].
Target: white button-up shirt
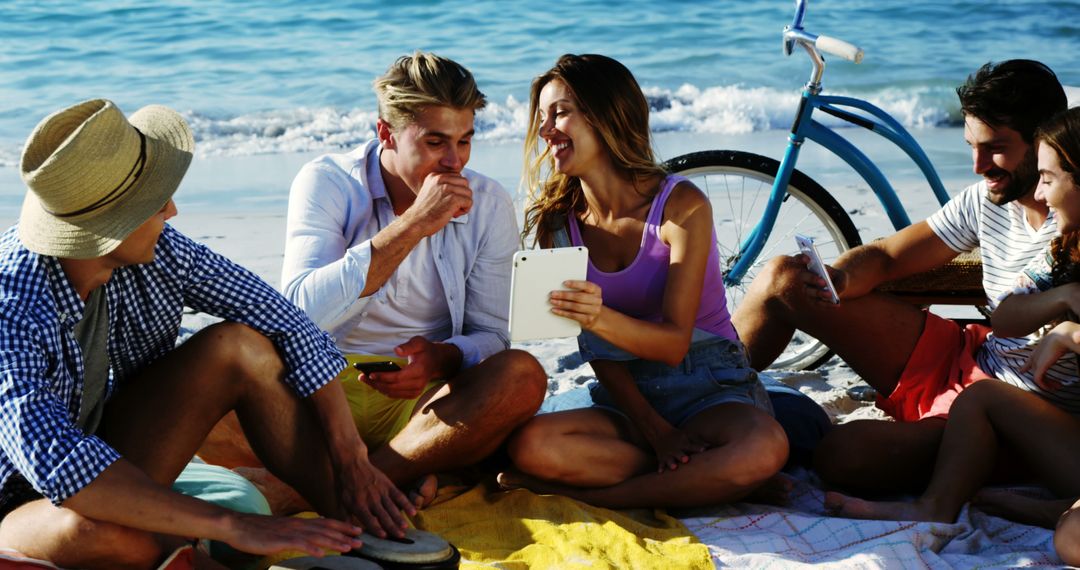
[338, 202]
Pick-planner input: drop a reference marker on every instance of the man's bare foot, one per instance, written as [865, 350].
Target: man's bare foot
[1021, 508]
[840, 505]
[424, 491]
[283, 499]
[775, 491]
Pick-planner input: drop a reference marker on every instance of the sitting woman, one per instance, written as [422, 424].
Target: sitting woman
[680, 418]
[1035, 424]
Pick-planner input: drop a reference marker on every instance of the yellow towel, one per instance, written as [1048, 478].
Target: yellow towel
[519, 529]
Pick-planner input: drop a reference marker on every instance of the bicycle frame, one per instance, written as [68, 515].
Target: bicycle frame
[805, 127]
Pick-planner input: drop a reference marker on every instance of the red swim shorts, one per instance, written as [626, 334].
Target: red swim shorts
[940, 367]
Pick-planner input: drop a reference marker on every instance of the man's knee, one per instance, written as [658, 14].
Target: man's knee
[778, 286]
[239, 351]
[523, 379]
[70, 540]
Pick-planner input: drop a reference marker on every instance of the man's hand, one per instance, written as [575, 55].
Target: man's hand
[443, 196]
[371, 499]
[815, 285]
[427, 361]
[1062, 338]
[259, 534]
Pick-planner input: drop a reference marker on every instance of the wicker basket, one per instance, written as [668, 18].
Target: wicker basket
[957, 282]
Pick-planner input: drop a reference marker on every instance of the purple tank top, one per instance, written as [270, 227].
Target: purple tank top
[638, 290]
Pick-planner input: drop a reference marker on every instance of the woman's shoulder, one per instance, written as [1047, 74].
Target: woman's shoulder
[685, 199]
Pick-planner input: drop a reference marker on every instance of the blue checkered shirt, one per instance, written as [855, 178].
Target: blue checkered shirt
[41, 364]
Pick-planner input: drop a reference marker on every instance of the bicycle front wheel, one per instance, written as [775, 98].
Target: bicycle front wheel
[738, 185]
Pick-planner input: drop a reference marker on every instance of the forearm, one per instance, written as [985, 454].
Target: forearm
[342, 438]
[389, 248]
[661, 342]
[620, 384]
[865, 267]
[1020, 315]
[125, 495]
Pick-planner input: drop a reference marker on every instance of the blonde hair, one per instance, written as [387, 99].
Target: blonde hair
[613, 104]
[415, 82]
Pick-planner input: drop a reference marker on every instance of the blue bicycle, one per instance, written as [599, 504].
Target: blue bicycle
[759, 204]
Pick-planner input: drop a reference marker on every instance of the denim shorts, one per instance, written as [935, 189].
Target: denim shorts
[714, 371]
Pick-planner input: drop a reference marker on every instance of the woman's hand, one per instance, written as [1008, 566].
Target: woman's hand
[675, 447]
[582, 302]
[1062, 338]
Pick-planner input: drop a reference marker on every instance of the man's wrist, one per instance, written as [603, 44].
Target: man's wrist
[451, 359]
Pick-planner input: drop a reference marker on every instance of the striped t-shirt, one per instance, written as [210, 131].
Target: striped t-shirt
[1035, 278]
[1008, 244]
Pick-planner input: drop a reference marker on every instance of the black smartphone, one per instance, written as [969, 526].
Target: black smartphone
[377, 366]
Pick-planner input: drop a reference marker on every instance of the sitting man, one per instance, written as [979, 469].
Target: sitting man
[100, 410]
[918, 362]
[397, 250]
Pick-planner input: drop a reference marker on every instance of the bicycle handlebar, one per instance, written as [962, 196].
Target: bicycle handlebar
[794, 34]
[839, 48]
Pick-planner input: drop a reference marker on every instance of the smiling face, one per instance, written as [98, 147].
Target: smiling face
[438, 140]
[573, 142]
[1002, 157]
[1058, 189]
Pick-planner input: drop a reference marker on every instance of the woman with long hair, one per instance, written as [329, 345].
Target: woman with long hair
[679, 417]
[1034, 423]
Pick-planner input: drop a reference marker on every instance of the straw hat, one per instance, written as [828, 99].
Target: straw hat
[95, 176]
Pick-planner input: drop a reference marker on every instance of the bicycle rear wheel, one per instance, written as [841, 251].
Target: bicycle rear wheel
[738, 185]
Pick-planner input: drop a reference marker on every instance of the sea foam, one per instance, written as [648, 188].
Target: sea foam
[729, 109]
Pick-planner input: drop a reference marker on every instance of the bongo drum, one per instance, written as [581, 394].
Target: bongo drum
[419, 550]
[325, 563]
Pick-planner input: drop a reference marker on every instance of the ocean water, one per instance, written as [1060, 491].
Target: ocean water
[293, 76]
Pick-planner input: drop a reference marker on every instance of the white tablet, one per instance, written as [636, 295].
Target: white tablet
[536, 273]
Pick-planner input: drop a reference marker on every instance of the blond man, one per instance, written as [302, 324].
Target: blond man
[398, 250]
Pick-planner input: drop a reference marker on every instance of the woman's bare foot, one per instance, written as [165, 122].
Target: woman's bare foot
[775, 491]
[424, 491]
[840, 505]
[1021, 508]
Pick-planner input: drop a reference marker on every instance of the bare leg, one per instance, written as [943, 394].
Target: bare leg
[159, 419]
[875, 334]
[869, 457]
[466, 419]
[747, 448]
[1067, 536]
[453, 426]
[40, 530]
[984, 416]
[1021, 508]
[580, 448]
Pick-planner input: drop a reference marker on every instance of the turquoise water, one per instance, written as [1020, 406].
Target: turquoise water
[292, 76]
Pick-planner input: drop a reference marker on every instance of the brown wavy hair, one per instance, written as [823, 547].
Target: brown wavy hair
[1062, 133]
[614, 106]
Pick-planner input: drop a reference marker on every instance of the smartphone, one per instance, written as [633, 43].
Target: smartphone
[806, 245]
[377, 366]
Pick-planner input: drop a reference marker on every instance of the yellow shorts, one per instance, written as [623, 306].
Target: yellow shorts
[378, 417]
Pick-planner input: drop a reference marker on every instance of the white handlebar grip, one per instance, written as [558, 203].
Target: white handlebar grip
[839, 48]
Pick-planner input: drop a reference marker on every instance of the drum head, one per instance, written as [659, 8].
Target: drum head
[418, 547]
[326, 563]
